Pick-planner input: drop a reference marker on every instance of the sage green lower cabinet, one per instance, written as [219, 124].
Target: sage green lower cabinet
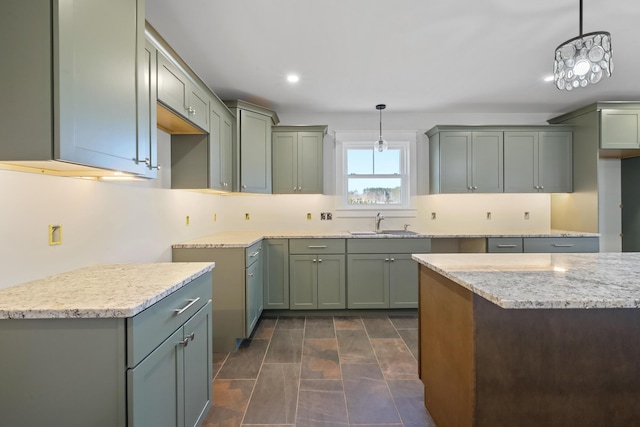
[317, 274]
[152, 369]
[383, 280]
[276, 274]
[169, 387]
[255, 287]
[317, 282]
[235, 297]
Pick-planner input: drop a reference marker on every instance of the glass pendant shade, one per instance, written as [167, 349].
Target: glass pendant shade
[583, 60]
[381, 145]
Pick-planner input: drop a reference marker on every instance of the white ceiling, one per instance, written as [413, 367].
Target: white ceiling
[454, 56]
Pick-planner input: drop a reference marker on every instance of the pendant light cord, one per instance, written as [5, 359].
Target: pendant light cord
[580, 18]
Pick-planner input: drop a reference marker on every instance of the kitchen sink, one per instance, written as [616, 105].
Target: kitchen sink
[389, 232]
[398, 232]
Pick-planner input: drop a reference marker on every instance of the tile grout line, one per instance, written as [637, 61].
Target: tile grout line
[344, 389]
[304, 332]
[258, 374]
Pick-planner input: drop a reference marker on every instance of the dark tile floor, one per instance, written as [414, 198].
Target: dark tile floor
[322, 372]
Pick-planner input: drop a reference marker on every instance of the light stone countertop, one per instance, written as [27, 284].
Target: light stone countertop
[535, 281]
[99, 291]
[243, 239]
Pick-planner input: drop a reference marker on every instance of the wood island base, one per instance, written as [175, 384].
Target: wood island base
[483, 365]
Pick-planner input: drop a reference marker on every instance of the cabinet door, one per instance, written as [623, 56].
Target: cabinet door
[147, 148]
[215, 148]
[197, 367]
[303, 282]
[197, 107]
[486, 162]
[520, 162]
[455, 165]
[254, 295]
[367, 281]
[555, 160]
[276, 284]
[226, 153]
[619, 128]
[310, 163]
[172, 86]
[285, 162]
[155, 386]
[331, 282]
[403, 281]
[96, 114]
[255, 152]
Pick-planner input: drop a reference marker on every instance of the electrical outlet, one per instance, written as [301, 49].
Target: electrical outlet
[329, 216]
[488, 215]
[433, 215]
[323, 216]
[55, 235]
[187, 220]
[308, 216]
[526, 215]
[215, 217]
[247, 217]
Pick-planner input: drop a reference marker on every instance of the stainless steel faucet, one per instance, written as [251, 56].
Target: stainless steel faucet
[379, 218]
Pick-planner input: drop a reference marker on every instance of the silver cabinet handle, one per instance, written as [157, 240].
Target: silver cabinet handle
[386, 260]
[254, 254]
[475, 187]
[179, 311]
[506, 246]
[244, 186]
[393, 259]
[190, 337]
[250, 274]
[317, 247]
[563, 245]
[319, 259]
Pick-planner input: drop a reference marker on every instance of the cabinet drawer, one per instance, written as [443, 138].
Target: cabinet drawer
[148, 329]
[504, 245]
[316, 246]
[561, 244]
[253, 253]
[389, 246]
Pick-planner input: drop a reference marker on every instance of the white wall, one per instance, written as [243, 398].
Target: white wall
[106, 222]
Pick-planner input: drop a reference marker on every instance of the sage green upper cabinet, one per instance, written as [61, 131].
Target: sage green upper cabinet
[619, 128]
[221, 125]
[147, 116]
[180, 94]
[465, 161]
[81, 74]
[538, 162]
[297, 159]
[253, 146]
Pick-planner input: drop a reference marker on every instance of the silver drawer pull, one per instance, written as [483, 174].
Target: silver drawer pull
[506, 246]
[179, 311]
[563, 245]
[251, 274]
[317, 247]
[254, 254]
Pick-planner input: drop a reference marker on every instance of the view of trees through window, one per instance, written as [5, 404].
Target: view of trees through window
[374, 177]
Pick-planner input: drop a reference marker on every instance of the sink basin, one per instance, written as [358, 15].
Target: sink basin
[389, 232]
[398, 232]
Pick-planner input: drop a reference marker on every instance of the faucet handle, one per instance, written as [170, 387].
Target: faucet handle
[406, 226]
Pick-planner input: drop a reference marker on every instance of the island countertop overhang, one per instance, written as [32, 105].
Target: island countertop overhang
[544, 281]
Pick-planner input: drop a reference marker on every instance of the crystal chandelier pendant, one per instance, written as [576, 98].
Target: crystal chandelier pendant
[583, 60]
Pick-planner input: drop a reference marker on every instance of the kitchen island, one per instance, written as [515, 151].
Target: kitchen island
[530, 339]
[108, 345]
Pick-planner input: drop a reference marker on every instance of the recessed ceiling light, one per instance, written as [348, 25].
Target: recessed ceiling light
[548, 79]
[293, 78]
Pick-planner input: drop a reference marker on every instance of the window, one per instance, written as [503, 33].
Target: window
[368, 179]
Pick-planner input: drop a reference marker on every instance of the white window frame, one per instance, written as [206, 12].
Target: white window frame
[405, 141]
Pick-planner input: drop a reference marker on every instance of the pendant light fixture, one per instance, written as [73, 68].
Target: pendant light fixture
[381, 145]
[583, 60]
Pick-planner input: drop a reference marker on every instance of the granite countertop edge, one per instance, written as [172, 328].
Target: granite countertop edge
[98, 291]
[244, 239]
[593, 281]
